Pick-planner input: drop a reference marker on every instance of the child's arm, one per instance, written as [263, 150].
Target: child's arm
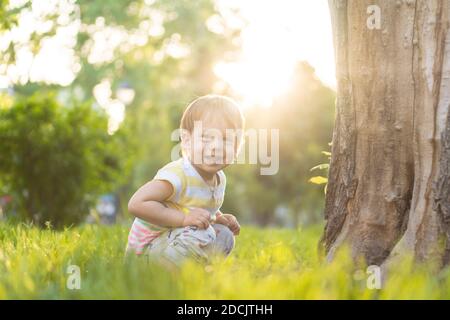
[146, 205]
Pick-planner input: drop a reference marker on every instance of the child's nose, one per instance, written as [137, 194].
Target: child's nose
[217, 150]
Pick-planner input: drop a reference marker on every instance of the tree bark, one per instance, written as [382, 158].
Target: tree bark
[388, 187]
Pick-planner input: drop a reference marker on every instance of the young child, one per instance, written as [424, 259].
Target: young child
[178, 212]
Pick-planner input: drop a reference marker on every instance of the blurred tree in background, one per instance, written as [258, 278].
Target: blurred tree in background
[164, 51]
[304, 115]
[8, 17]
[56, 159]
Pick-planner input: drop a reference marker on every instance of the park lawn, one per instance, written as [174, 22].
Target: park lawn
[266, 264]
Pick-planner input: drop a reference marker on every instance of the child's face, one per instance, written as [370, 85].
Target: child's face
[211, 145]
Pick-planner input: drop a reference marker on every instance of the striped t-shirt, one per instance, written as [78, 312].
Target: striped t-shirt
[189, 190]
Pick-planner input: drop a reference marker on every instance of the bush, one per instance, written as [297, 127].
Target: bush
[56, 159]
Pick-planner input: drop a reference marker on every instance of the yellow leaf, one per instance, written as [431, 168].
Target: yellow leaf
[318, 180]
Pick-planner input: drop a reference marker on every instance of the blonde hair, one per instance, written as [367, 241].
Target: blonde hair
[214, 105]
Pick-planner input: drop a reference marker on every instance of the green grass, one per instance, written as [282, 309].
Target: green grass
[266, 264]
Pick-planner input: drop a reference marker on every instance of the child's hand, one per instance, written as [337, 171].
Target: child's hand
[230, 221]
[197, 217]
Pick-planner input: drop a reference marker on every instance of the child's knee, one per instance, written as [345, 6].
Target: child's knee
[203, 236]
[224, 238]
[223, 231]
[188, 242]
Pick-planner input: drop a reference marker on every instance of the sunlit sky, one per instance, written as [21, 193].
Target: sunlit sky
[277, 34]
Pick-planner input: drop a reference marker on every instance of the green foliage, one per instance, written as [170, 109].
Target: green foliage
[56, 159]
[318, 180]
[304, 117]
[322, 166]
[8, 18]
[266, 264]
[164, 86]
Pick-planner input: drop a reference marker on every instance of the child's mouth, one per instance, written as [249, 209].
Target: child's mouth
[211, 161]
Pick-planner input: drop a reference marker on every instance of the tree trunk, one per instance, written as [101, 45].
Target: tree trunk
[388, 189]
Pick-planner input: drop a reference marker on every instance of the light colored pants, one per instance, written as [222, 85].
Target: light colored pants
[176, 245]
